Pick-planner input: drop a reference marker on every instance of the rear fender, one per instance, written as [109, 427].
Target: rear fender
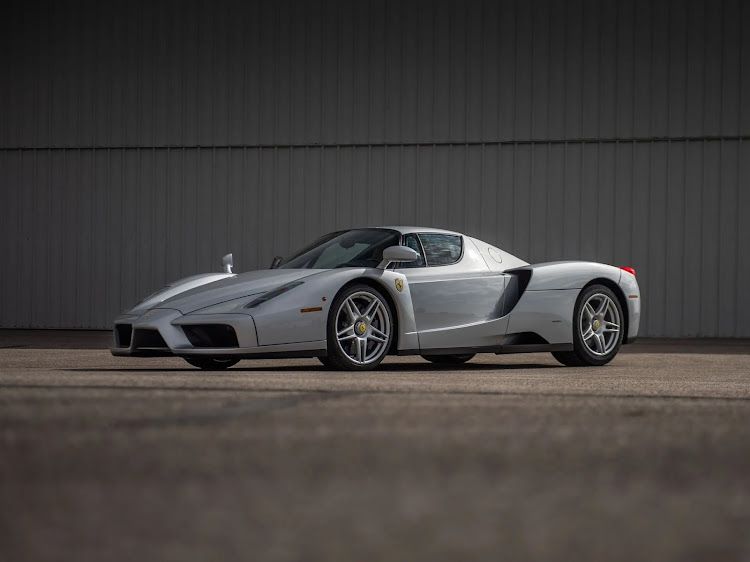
[546, 306]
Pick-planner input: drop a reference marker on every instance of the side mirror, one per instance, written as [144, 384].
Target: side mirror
[397, 253]
[276, 262]
[227, 263]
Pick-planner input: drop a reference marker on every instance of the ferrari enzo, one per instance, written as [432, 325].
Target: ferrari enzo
[352, 297]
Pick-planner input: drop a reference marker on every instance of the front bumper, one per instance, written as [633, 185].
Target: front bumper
[163, 332]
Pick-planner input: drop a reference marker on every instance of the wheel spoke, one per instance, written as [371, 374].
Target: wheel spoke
[345, 330]
[348, 337]
[378, 337]
[588, 334]
[361, 349]
[589, 310]
[603, 306]
[351, 307]
[599, 339]
[378, 332]
[611, 326]
[371, 309]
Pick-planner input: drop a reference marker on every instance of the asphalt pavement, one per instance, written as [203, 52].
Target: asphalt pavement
[507, 458]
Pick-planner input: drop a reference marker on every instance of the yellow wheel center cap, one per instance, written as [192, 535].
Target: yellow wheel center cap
[361, 328]
[596, 324]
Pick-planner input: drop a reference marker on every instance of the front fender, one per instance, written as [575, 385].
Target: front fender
[301, 314]
[175, 288]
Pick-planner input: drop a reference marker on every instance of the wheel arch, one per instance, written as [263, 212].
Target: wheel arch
[381, 288]
[617, 290]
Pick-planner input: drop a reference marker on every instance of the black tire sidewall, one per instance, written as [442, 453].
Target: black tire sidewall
[336, 357]
[581, 349]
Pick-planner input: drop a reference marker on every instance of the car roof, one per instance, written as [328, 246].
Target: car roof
[424, 229]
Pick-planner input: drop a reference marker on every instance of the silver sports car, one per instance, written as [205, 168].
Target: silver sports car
[352, 297]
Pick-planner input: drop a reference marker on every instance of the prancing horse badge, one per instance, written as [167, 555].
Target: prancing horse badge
[399, 285]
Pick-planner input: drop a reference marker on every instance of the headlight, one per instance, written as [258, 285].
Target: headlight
[152, 295]
[273, 294]
[148, 298]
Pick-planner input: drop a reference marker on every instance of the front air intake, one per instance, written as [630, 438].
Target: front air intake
[211, 335]
[150, 339]
[123, 332]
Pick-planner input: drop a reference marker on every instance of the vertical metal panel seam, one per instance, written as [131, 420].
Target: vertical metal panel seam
[718, 225]
[701, 268]
[550, 225]
[76, 255]
[685, 154]
[721, 69]
[548, 111]
[665, 325]
[564, 198]
[599, 81]
[107, 234]
[47, 288]
[512, 191]
[614, 191]
[92, 257]
[258, 199]
[467, 70]
[738, 272]
[34, 232]
[582, 159]
[705, 81]
[289, 214]
[168, 209]
[631, 233]
[514, 131]
[650, 283]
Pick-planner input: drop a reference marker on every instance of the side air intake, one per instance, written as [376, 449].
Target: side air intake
[211, 335]
[519, 280]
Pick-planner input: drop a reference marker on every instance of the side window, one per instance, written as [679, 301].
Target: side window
[411, 241]
[441, 249]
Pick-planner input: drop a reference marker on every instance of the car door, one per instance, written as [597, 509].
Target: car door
[457, 299]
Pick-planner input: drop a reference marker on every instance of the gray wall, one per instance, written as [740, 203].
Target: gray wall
[140, 143]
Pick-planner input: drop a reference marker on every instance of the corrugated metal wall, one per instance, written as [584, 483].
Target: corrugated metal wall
[140, 142]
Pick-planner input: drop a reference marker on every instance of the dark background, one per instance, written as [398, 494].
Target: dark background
[139, 142]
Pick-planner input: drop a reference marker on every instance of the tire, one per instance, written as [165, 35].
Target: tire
[360, 329]
[598, 329]
[449, 359]
[211, 363]
[326, 363]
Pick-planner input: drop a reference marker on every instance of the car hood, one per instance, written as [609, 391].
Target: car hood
[242, 285]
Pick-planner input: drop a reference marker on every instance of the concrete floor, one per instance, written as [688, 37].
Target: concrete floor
[508, 458]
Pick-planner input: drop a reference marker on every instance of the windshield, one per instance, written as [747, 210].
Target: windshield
[351, 248]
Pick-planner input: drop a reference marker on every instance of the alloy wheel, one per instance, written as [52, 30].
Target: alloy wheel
[363, 327]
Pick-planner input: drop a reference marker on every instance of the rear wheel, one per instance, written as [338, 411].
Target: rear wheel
[597, 329]
[359, 331]
[449, 359]
[211, 363]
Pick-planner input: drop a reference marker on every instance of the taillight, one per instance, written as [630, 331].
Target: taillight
[628, 269]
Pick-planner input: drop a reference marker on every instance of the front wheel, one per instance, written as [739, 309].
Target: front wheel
[359, 331]
[211, 363]
[598, 324]
[449, 359]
